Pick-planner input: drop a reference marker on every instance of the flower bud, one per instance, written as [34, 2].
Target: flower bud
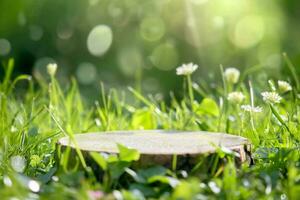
[232, 75]
[51, 69]
[236, 97]
[284, 86]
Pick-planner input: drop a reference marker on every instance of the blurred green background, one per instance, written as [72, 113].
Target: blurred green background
[127, 42]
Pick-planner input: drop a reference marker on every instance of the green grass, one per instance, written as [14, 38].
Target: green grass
[35, 112]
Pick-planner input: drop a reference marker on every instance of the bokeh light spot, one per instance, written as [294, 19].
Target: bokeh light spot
[35, 32]
[152, 28]
[165, 57]
[273, 62]
[115, 10]
[129, 60]
[64, 31]
[93, 2]
[5, 47]
[218, 22]
[99, 40]
[21, 19]
[7, 181]
[248, 31]
[151, 85]
[34, 186]
[199, 2]
[86, 73]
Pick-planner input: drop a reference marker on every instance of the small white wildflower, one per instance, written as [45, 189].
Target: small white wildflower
[249, 108]
[186, 69]
[232, 75]
[236, 97]
[271, 97]
[18, 163]
[284, 86]
[51, 69]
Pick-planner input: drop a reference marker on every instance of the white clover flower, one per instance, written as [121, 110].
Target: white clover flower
[51, 69]
[186, 69]
[284, 86]
[236, 97]
[271, 97]
[249, 108]
[18, 163]
[232, 75]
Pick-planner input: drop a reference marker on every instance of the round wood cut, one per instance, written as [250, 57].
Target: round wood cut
[159, 143]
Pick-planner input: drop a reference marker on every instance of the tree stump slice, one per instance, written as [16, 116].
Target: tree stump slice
[159, 146]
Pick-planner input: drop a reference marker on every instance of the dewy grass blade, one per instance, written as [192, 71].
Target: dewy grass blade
[140, 97]
[277, 115]
[174, 162]
[72, 139]
[292, 68]
[256, 135]
[222, 98]
[8, 72]
[19, 78]
[190, 90]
